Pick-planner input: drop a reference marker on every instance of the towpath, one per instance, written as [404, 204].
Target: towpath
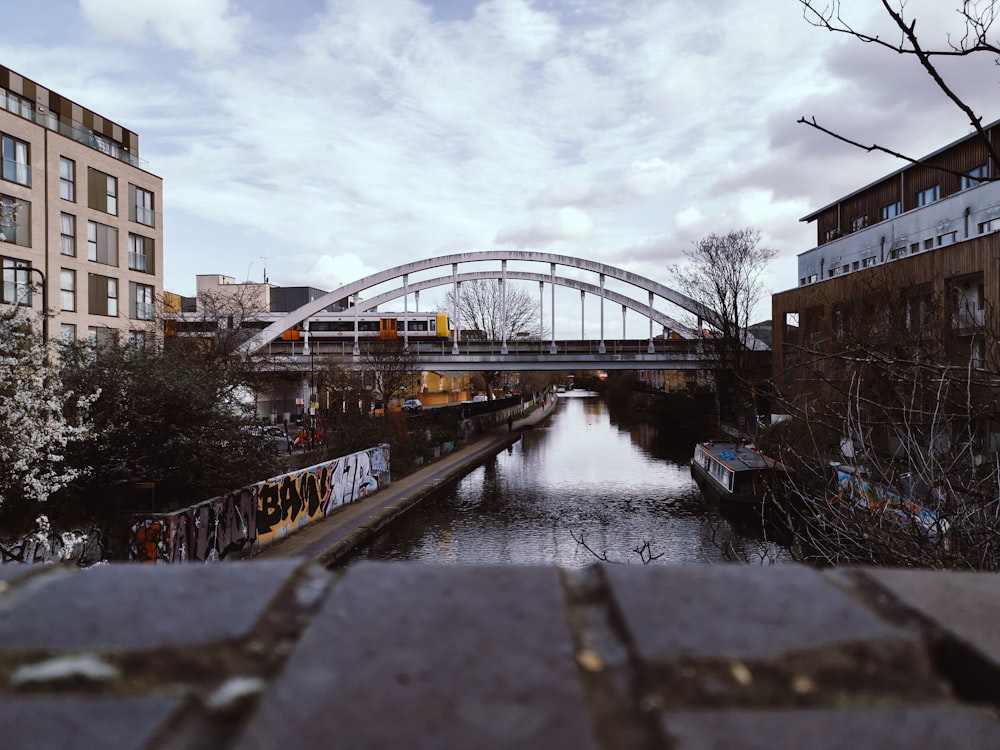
[336, 536]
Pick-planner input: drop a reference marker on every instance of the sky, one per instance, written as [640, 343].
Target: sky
[318, 141]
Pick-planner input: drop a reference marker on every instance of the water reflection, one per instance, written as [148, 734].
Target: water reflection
[613, 484]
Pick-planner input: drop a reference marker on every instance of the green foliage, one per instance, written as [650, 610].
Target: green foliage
[174, 418]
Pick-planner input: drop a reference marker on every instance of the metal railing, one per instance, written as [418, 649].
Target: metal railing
[26, 109]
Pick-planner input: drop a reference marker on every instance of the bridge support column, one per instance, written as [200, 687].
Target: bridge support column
[650, 349]
[454, 307]
[583, 327]
[624, 310]
[541, 313]
[406, 313]
[357, 312]
[503, 307]
[602, 349]
[552, 283]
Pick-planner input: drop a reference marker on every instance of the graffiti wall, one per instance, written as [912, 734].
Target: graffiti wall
[47, 546]
[257, 515]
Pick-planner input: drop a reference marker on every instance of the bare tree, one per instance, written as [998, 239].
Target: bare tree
[492, 311]
[901, 390]
[393, 371]
[496, 311]
[724, 272]
[977, 18]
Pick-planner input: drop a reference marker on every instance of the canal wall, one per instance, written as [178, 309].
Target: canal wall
[258, 515]
[386, 655]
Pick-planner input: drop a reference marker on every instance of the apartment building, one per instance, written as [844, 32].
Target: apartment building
[912, 257]
[81, 229]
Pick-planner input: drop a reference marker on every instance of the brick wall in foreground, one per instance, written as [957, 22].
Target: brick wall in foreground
[269, 654]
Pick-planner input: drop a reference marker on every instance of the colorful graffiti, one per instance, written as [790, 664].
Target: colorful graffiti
[259, 514]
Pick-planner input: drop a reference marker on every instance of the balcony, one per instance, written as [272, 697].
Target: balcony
[138, 262]
[146, 216]
[26, 109]
[15, 171]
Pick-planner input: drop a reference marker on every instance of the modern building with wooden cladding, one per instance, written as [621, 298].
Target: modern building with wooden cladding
[916, 252]
[80, 209]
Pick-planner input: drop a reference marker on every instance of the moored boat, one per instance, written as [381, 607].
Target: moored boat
[735, 472]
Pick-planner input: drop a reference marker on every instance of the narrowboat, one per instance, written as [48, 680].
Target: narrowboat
[735, 472]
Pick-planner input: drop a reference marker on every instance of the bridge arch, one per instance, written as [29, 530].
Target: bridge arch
[604, 270]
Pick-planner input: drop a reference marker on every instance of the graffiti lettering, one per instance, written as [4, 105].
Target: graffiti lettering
[259, 514]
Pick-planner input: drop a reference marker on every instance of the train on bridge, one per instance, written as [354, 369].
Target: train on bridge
[325, 326]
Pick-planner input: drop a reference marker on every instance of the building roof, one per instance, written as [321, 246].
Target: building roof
[928, 157]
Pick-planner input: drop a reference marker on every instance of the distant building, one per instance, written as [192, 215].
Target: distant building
[77, 205]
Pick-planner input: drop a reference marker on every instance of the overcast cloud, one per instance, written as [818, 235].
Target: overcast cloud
[340, 138]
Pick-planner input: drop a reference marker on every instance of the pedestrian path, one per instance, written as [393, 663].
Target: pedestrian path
[336, 536]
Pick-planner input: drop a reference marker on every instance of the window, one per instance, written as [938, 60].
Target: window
[102, 243]
[102, 191]
[989, 226]
[140, 253]
[67, 289]
[67, 234]
[929, 243]
[929, 195]
[137, 339]
[832, 234]
[67, 179]
[141, 302]
[141, 208]
[859, 222]
[947, 238]
[974, 176]
[914, 248]
[891, 210]
[15, 161]
[868, 262]
[16, 282]
[15, 221]
[67, 333]
[103, 295]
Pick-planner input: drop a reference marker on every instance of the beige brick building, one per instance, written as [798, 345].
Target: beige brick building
[78, 206]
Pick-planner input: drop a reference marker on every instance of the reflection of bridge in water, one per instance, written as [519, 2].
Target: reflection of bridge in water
[679, 347]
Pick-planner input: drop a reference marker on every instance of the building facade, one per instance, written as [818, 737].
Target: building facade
[81, 229]
[907, 267]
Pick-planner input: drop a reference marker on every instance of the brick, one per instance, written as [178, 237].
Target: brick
[967, 604]
[730, 611]
[142, 607]
[423, 656]
[120, 723]
[822, 729]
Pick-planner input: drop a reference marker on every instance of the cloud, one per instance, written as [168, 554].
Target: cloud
[205, 27]
[565, 224]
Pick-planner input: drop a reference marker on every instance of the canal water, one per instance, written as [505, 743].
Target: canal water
[585, 484]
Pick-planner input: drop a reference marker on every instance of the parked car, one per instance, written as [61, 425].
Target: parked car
[413, 406]
[479, 398]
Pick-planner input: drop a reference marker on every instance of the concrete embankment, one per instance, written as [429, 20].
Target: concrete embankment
[339, 534]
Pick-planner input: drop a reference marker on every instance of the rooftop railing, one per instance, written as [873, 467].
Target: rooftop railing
[26, 109]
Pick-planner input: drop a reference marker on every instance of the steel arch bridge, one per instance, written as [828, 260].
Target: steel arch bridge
[402, 272]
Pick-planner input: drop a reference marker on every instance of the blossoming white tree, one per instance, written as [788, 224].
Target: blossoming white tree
[35, 423]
